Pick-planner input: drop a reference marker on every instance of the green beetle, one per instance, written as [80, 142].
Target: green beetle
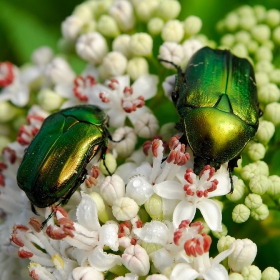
[216, 99]
[54, 164]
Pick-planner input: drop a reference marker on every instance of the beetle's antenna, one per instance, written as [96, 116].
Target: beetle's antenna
[178, 68]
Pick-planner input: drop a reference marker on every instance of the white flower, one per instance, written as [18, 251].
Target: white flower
[168, 86]
[71, 27]
[92, 47]
[42, 56]
[121, 100]
[172, 52]
[196, 193]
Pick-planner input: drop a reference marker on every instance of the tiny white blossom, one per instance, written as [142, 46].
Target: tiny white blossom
[172, 52]
[192, 25]
[92, 47]
[107, 26]
[172, 31]
[141, 44]
[114, 63]
[85, 273]
[42, 56]
[155, 26]
[122, 44]
[145, 9]
[168, 9]
[71, 27]
[146, 126]
[124, 208]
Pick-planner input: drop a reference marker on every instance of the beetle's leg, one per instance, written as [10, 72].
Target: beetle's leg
[33, 209]
[115, 141]
[103, 154]
[231, 164]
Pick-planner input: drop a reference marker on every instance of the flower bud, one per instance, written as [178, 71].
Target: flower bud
[141, 44]
[112, 188]
[243, 37]
[263, 53]
[172, 31]
[172, 52]
[7, 111]
[154, 207]
[156, 277]
[228, 40]
[231, 21]
[261, 33]
[259, 184]
[268, 93]
[276, 35]
[260, 213]
[42, 56]
[243, 255]
[122, 44]
[124, 208]
[85, 273]
[71, 27]
[264, 66]
[190, 47]
[253, 169]
[137, 67]
[192, 25]
[263, 167]
[136, 259]
[92, 47]
[253, 201]
[102, 213]
[110, 163]
[262, 78]
[238, 191]
[224, 243]
[247, 22]
[270, 273]
[155, 26]
[240, 213]
[59, 71]
[145, 9]
[114, 63]
[274, 188]
[252, 46]
[146, 126]
[235, 276]
[251, 272]
[84, 12]
[260, 12]
[49, 100]
[222, 232]
[256, 151]
[122, 12]
[108, 27]
[128, 141]
[168, 9]
[265, 131]
[274, 76]
[240, 50]
[272, 113]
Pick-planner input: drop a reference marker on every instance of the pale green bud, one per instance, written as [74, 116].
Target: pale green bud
[141, 44]
[264, 53]
[7, 111]
[247, 22]
[231, 21]
[228, 40]
[276, 35]
[243, 37]
[153, 207]
[260, 213]
[249, 171]
[150, 247]
[272, 113]
[262, 78]
[101, 209]
[260, 12]
[270, 44]
[224, 243]
[268, 93]
[263, 167]
[146, 126]
[124, 208]
[167, 131]
[240, 50]
[137, 67]
[108, 26]
[192, 25]
[172, 31]
[155, 26]
[259, 184]
[270, 273]
[261, 33]
[256, 151]
[235, 276]
[273, 18]
[238, 191]
[88, 27]
[4, 141]
[252, 46]
[49, 100]
[168, 9]
[265, 131]
[122, 44]
[110, 163]
[251, 272]
[274, 188]
[253, 201]
[83, 11]
[145, 9]
[240, 213]
[219, 234]
[274, 76]
[264, 66]
[114, 63]
[71, 27]
[100, 7]
[245, 11]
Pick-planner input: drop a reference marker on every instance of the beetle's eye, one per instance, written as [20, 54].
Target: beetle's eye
[174, 96]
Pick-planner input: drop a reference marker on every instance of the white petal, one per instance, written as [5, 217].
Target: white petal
[87, 214]
[134, 116]
[161, 259]
[146, 86]
[153, 232]
[85, 273]
[211, 213]
[183, 211]
[117, 118]
[64, 90]
[169, 190]
[109, 236]
[217, 272]
[124, 81]
[102, 261]
[183, 271]
[124, 171]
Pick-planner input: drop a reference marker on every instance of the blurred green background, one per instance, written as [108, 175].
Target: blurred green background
[26, 25]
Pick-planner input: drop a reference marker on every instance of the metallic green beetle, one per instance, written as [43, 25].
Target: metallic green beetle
[54, 164]
[216, 99]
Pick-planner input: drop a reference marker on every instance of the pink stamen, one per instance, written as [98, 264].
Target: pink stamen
[187, 176]
[6, 68]
[23, 254]
[146, 147]
[113, 84]
[155, 145]
[177, 236]
[34, 275]
[104, 97]
[128, 91]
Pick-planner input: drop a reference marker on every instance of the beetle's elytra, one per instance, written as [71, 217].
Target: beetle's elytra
[216, 98]
[54, 164]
